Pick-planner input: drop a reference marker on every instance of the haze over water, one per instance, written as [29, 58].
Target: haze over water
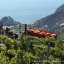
[28, 11]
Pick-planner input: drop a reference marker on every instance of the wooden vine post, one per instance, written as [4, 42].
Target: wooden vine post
[25, 29]
[20, 29]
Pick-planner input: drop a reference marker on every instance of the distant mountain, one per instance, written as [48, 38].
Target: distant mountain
[9, 21]
[52, 21]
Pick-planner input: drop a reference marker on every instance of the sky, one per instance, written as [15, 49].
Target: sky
[28, 11]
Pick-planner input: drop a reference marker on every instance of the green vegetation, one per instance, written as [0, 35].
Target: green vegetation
[30, 49]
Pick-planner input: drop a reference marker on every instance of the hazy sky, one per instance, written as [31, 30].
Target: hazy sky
[28, 11]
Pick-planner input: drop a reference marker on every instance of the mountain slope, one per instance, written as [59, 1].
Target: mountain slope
[53, 20]
[9, 21]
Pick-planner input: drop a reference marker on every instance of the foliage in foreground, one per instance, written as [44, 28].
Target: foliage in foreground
[27, 49]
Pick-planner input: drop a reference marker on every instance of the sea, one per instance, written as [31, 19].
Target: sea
[26, 16]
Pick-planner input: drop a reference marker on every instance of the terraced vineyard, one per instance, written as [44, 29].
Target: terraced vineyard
[31, 50]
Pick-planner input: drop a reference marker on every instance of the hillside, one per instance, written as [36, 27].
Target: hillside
[52, 21]
[9, 21]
